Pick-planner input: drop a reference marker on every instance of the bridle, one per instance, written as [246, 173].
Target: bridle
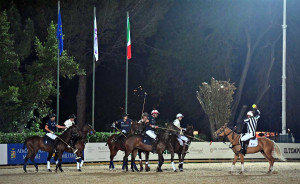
[231, 146]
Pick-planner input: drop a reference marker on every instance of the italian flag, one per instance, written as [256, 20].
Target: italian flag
[128, 39]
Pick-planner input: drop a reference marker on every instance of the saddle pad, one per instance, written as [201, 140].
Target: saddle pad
[47, 141]
[253, 143]
[147, 140]
[180, 141]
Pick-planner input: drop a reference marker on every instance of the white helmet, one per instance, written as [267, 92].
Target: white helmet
[250, 113]
[179, 115]
[155, 112]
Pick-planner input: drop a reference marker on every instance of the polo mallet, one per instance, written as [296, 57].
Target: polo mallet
[144, 104]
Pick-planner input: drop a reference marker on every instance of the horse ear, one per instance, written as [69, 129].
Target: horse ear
[225, 125]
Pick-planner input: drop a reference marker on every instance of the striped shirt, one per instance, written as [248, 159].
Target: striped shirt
[252, 123]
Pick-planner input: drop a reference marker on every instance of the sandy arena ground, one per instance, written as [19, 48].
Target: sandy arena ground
[255, 173]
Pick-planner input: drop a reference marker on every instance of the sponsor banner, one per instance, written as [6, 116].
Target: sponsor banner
[3, 154]
[290, 150]
[16, 155]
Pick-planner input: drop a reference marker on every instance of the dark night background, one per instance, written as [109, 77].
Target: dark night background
[176, 45]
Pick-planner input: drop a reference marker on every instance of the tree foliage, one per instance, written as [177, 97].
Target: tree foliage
[216, 100]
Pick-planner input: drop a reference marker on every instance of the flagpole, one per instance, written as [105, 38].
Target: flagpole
[126, 90]
[284, 26]
[93, 96]
[57, 87]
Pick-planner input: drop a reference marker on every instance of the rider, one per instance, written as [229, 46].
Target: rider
[50, 129]
[145, 118]
[150, 125]
[68, 123]
[251, 121]
[124, 124]
[181, 136]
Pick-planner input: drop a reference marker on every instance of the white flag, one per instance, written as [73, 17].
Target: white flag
[95, 40]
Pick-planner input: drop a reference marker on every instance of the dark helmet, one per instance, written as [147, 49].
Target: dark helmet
[145, 114]
[72, 116]
[52, 115]
[124, 114]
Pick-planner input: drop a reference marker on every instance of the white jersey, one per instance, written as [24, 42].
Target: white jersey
[176, 122]
[69, 123]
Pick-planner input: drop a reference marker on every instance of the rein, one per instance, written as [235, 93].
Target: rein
[231, 146]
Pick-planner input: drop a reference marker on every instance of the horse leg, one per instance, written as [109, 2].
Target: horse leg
[133, 155]
[140, 160]
[34, 163]
[59, 161]
[180, 167]
[242, 163]
[78, 165]
[236, 156]
[125, 161]
[48, 161]
[147, 165]
[182, 160]
[82, 161]
[270, 159]
[113, 153]
[160, 162]
[172, 161]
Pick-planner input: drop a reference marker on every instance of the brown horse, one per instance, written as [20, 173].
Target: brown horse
[175, 147]
[115, 146]
[135, 142]
[35, 143]
[79, 145]
[265, 146]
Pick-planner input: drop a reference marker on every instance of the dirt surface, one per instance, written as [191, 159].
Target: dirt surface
[255, 173]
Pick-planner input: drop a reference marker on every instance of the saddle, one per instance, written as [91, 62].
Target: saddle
[147, 140]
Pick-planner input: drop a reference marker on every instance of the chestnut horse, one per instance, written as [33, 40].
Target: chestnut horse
[115, 146]
[79, 145]
[35, 143]
[265, 146]
[175, 147]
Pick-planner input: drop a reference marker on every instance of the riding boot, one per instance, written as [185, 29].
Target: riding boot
[154, 145]
[115, 139]
[242, 151]
[55, 143]
[184, 148]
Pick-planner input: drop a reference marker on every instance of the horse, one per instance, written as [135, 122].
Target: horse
[175, 147]
[265, 146]
[115, 146]
[35, 143]
[135, 142]
[79, 145]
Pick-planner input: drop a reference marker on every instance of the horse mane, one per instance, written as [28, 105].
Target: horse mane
[67, 131]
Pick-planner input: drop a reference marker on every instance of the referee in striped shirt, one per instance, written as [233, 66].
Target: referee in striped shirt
[251, 122]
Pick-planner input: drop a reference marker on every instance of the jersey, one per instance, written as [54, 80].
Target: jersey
[151, 123]
[125, 125]
[69, 123]
[176, 122]
[252, 123]
[51, 125]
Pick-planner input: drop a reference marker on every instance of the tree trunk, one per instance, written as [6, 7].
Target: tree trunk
[81, 100]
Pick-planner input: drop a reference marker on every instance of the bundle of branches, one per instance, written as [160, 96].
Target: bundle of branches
[216, 99]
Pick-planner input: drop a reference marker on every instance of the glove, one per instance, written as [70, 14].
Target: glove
[52, 132]
[113, 125]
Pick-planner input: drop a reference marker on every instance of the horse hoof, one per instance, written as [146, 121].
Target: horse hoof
[269, 172]
[241, 172]
[230, 172]
[181, 170]
[49, 170]
[175, 170]
[79, 170]
[61, 170]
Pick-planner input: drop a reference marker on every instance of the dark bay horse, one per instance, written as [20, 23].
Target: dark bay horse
[35, 143]
[115, 146]
[135, 142]
[265, 146]
[175, 147]
[79, 145]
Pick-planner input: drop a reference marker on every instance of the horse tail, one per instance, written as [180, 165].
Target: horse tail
[25, 142]
[277, 152]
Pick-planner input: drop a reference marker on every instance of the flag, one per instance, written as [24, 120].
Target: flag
[59, 34]
[128, 39]
[95, 40]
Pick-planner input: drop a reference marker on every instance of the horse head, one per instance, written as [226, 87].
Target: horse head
[136, 128]
[222, 131]
[87, 128]
[189, 130]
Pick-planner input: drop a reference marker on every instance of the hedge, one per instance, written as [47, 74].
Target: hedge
[10, 138]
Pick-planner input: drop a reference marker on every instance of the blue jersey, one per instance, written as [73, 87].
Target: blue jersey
[151, 122]
[125, 125]
[51, 125]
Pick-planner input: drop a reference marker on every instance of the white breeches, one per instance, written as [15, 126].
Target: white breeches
[247, 136]
[151, 134]
[184, 138]
[52, 136]
[124, 131]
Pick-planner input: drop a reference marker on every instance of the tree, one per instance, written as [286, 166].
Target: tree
[216, 100]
